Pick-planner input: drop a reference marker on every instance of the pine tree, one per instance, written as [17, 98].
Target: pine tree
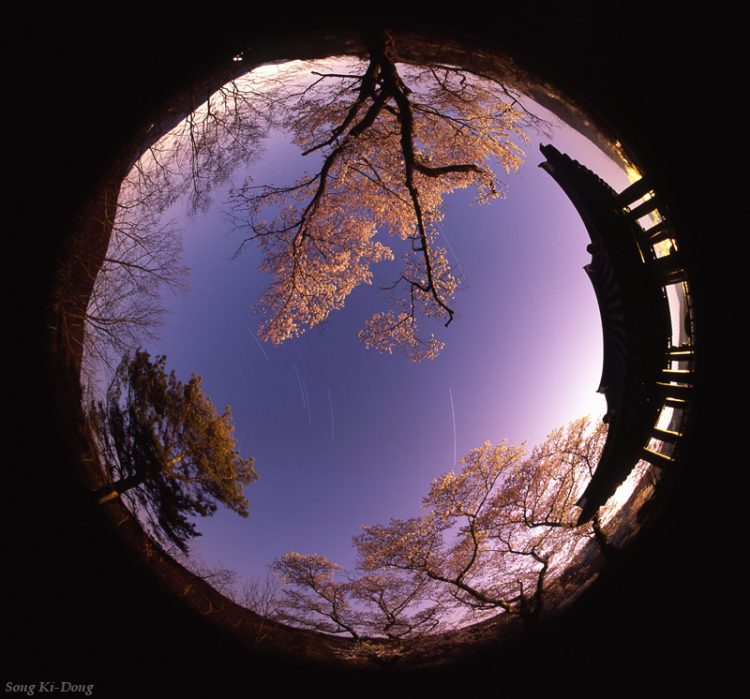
[163, 443]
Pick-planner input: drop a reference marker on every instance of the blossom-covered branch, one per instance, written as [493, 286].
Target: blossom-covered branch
[389, 153]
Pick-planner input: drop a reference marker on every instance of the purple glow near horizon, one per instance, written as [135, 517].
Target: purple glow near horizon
[344, 436]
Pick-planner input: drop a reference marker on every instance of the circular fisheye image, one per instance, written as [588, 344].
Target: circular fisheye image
[392, 346]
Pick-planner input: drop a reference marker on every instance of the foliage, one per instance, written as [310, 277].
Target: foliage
[496, 536]
[163, 443]
[390, 153]
[367, 605]
[311, 596]
[454, 542]
[393, 141]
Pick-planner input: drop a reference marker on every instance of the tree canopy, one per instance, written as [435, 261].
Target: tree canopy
[496, 536]
[378, 604]
[387, 140]
[164, 444]
[393, 141]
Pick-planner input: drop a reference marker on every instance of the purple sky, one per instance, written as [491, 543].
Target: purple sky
[345, 436]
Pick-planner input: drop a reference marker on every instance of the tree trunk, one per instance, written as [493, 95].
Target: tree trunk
[113, 491]
[605, 546]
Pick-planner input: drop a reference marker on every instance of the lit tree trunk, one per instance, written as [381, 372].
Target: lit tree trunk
[113, 491]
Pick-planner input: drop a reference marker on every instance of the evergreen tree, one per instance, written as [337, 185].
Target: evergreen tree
[164, 445]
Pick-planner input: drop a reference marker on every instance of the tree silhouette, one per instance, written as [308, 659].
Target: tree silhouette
[125, 308]
[164, 445]
[219, 134]
[142, 260]
[393, 140]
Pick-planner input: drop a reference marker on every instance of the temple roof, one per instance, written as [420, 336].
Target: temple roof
[635, 321]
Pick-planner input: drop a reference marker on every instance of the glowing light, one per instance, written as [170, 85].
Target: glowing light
[632, 173]
[631, 170]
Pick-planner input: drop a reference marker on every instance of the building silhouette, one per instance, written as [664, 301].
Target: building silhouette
[642, 291]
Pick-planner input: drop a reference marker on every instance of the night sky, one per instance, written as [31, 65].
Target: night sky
[344, 436]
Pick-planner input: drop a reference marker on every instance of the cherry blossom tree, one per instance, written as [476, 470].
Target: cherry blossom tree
[396, 606]
[496, 536]
[498, 533]
[312, 598]
[393, 141]
[457, 542]
[386, 604]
